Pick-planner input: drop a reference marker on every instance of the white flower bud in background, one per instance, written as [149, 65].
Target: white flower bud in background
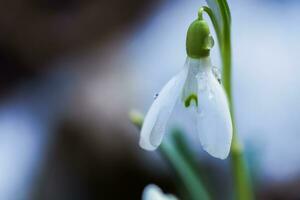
[153, 192]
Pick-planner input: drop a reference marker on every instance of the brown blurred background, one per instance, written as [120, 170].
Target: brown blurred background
[90, 152]
[82, 161]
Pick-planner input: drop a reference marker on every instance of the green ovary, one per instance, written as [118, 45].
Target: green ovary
[189, 99]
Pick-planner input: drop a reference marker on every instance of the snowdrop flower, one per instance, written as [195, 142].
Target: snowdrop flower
[197, 87]
[153, 192]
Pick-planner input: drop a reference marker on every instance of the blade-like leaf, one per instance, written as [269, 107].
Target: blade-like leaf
[180, 158]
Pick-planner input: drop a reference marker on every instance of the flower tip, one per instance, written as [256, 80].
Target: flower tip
[146, 145]
[218, 153]
[222, 156]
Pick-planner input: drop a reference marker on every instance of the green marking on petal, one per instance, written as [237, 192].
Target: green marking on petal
[190, 98]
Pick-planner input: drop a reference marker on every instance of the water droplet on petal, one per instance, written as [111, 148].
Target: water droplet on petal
[216, 72]
[209, 41]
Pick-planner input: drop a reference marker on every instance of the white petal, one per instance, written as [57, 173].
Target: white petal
[157, 117]
[191, 85]
[153, 192]
[213, 118]
[195, 66]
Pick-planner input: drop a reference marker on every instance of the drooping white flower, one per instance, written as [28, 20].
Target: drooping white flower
[153, 192]
[196, 85]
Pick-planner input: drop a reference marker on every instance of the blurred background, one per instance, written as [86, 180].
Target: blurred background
[72, 69]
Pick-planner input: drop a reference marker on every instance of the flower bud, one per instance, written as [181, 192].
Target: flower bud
[199, 40]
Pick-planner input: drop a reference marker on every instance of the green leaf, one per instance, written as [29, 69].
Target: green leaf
[180, 158]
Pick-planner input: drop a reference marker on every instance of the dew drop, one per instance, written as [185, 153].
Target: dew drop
[209, 42]
[155, 96]
[216, 72]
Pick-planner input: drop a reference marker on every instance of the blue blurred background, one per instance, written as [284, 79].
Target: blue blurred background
[71, 70]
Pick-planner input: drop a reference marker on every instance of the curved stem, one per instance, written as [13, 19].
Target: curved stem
[213, 20]
[242, 183]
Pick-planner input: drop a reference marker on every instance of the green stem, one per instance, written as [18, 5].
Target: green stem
[213, 20]
[180, 158]
[242, 183]
[184, 171]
